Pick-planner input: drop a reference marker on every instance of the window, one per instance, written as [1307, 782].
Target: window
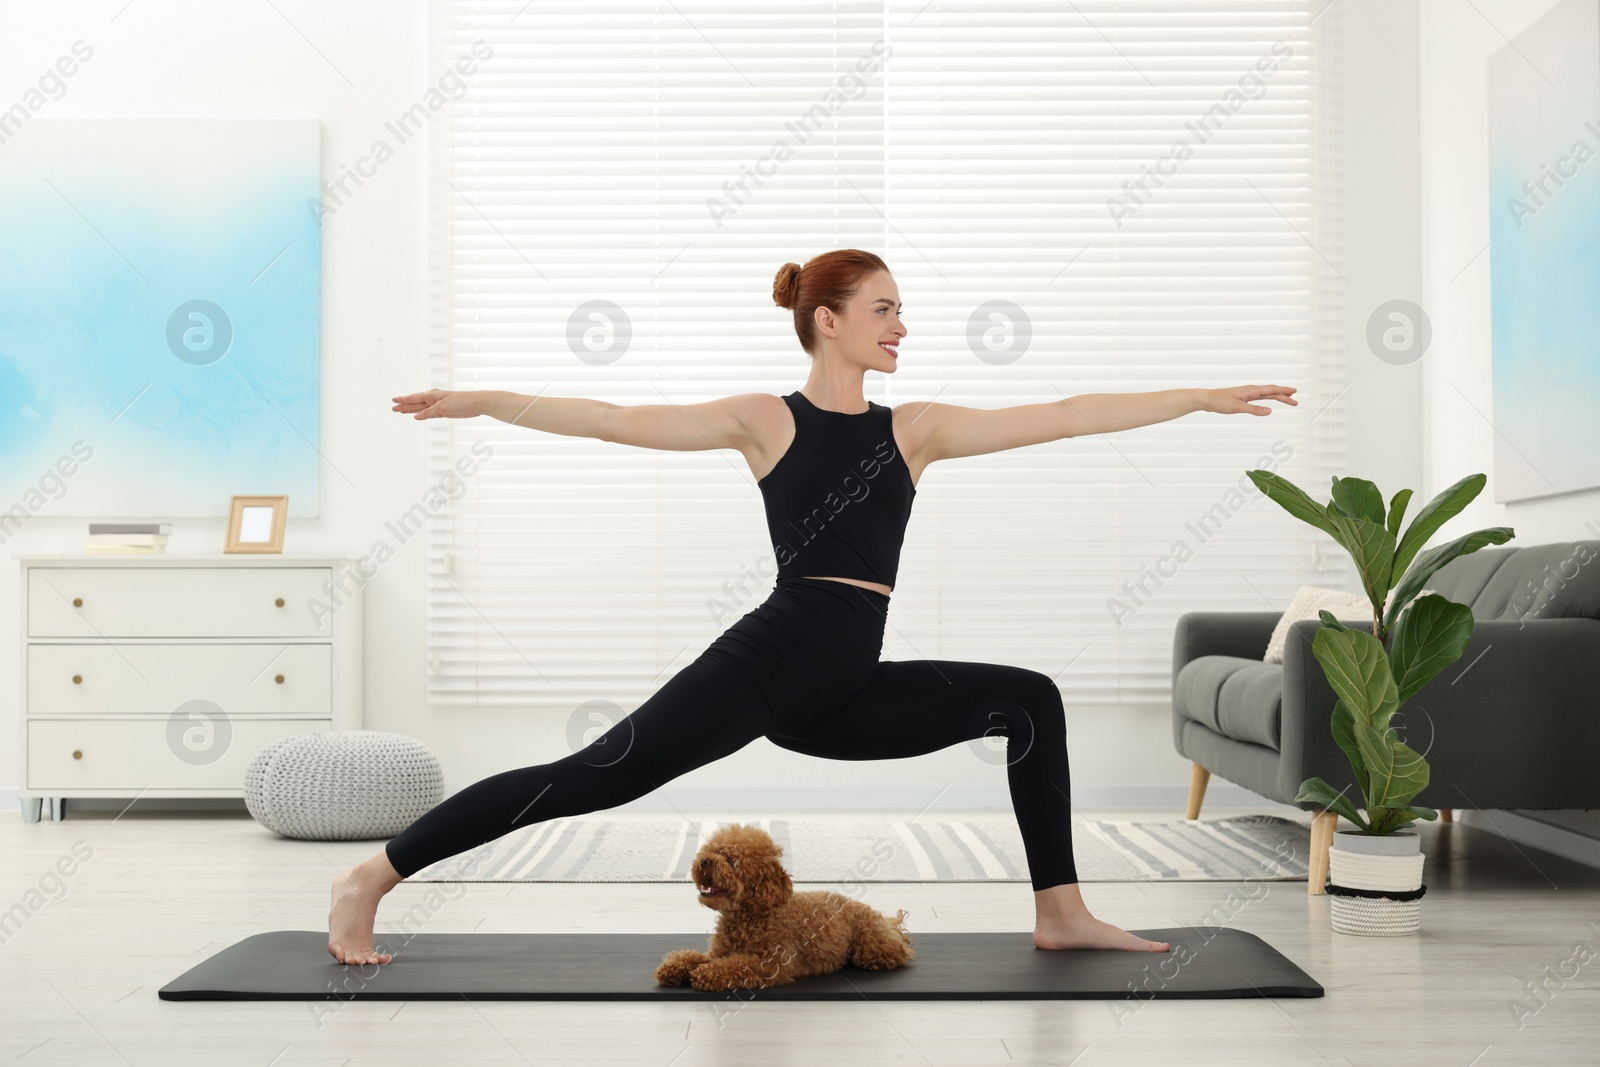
[1099, 197]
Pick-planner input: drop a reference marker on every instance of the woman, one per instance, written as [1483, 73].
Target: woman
[837, 475]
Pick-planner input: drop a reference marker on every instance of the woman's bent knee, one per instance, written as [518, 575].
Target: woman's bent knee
[1042, 688]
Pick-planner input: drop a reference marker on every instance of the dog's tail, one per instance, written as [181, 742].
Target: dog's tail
[898, 921]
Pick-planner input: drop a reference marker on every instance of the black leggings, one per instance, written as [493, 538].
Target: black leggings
[802, 670]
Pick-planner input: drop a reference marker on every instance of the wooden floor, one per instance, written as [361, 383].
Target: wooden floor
[160, 891]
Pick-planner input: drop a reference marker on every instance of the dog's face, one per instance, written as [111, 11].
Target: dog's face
[738, 868]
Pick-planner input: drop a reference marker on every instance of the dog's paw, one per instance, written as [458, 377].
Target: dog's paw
[676, 967]
[721, 975]
[674, 974]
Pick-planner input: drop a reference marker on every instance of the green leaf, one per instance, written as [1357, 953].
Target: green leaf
[1440, 510]
[1388, 820]
[1397, 771]
[1292, 498]
[1385, 820]
[1437, 557]
[1397, 510]
[1328, 620]
[1417, 811]
[1426, 640]
[1343, 727]
[1357, 667]
[1371, 545]
[1316, 791]
[1359, 498]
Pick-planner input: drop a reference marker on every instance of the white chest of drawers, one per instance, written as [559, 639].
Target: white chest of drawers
[162, 676]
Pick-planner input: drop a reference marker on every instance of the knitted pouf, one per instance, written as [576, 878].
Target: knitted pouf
[342, 786]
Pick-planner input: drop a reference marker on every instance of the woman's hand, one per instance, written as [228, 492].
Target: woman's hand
[439, 404]
[1236, 399]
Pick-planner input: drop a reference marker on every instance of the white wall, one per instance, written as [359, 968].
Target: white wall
[1456, 44]
[190, 59]
[173, 58]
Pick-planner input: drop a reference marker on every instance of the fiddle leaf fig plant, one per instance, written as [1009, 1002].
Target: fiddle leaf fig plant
[1374, 673]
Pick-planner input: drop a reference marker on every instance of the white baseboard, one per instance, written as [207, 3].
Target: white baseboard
[1154, 798]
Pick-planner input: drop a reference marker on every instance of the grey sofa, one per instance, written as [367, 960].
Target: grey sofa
[1511, 724]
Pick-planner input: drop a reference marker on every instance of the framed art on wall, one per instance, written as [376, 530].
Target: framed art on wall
[160, 287]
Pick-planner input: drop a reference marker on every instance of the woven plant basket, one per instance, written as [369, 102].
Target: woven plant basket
[1375, 883]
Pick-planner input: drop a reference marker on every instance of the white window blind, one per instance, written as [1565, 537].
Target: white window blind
[604, 152]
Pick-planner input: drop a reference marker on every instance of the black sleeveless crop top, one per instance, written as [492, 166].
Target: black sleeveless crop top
[838, 499]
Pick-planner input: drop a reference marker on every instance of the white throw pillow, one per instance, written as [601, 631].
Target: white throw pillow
[1307, 602]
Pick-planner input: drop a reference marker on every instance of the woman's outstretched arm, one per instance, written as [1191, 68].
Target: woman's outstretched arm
[717, 423]
[946, 431]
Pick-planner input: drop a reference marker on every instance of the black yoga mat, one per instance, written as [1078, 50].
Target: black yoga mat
[1205, 962]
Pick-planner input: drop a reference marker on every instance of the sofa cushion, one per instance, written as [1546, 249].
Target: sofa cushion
[1237, 697]
[1559, 580]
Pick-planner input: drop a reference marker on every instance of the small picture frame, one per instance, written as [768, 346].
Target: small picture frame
[255, 523]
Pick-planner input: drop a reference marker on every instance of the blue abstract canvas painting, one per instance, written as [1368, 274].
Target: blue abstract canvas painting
[1544, 249]
[160, 317]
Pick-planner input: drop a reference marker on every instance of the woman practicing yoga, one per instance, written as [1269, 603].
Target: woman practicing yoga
[838, 475]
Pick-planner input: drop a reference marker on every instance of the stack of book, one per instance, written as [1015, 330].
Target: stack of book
[135, 538]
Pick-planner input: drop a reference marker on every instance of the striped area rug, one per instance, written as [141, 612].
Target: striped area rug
[984, 849]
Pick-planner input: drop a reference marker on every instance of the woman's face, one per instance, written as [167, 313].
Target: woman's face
[866, 330]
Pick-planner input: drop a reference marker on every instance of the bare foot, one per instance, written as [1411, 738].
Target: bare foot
[351, 915]
[1085, 931]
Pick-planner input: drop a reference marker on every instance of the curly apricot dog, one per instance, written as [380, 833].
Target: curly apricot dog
[767, 934]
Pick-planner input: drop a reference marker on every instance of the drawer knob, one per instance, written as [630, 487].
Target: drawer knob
[279, 679]
[278, 602]
[77, 601]
[77, 679]
[77, 753]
